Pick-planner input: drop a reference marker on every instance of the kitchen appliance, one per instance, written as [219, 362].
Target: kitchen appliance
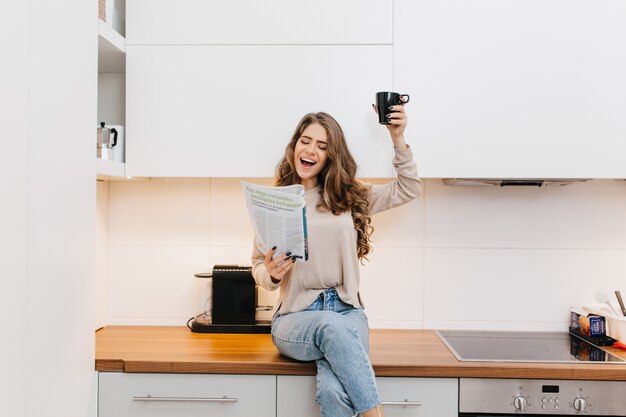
[104, 143]
[491, 397]
[501, 346]
[231, 306]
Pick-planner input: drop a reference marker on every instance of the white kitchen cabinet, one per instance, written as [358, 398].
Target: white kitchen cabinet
[402, 397]
[186, 395]
[193, 22]
[296, 396]
[516, 88]
[229, 111]
[419, 397]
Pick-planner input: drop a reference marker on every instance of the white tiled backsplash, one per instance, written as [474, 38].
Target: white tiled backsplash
[457, 257]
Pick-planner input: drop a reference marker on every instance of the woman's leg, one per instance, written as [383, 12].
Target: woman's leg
[359, 319]
[331, 396]
[337, 337]
[374, 412]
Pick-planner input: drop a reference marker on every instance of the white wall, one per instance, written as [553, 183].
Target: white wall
[457, 257]
[48, 96]
[14, 18]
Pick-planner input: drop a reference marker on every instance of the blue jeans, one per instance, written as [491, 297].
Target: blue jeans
[336, 336]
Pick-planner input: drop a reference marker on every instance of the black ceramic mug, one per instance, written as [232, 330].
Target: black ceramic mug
[384, 99]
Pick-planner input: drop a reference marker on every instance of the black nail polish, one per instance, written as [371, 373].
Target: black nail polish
[390, 108]
[288, 253]
[293, 258]
[274, 248]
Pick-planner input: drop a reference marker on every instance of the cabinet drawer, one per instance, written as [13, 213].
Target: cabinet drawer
[202, 22]
[184, 395]
[402, 397]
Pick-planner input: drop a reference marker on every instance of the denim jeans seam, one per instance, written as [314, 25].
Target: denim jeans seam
[303, 342]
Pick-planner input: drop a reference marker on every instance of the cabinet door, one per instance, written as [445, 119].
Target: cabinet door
[185, 395]
[514, 88]
[229, 111]
[419, 397]
[402, 397]
[296, 396]
[194, 22]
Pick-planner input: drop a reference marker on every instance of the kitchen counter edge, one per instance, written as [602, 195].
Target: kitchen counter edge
[394, 353]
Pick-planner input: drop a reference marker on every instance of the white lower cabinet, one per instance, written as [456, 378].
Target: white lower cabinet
[402, 397]
[186, 395]
[296, 396]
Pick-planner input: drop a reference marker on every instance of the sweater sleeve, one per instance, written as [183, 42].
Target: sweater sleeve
[259, 272]
[403, 189]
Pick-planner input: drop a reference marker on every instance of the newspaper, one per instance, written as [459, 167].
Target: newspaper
[278, 217]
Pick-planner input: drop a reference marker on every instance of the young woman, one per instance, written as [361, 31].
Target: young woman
[320, 315]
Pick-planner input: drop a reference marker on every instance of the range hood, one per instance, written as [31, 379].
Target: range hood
[514, 182]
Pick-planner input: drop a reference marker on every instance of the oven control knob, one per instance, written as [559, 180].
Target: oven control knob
[580, 404]
[520, 403]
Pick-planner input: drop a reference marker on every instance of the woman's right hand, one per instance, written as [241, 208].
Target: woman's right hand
[278, 267]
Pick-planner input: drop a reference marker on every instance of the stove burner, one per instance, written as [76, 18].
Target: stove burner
[502, 346]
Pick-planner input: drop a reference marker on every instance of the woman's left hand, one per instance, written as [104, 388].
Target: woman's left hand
[397, 119]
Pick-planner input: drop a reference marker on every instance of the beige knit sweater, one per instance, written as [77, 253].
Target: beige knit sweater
[332, 240]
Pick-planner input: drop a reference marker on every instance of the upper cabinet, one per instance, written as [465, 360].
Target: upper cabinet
[499, 88]
[229, 111]
[246, 22]
[215, 89]
[514, 89]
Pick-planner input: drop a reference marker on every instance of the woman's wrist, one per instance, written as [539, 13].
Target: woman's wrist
[398, 142]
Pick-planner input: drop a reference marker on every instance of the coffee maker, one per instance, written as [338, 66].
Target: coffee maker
[231, 306]
[105, 146]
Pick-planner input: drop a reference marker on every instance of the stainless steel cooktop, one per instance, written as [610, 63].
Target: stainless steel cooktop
[504, 346]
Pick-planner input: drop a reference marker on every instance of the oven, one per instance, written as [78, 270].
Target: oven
[487, 397]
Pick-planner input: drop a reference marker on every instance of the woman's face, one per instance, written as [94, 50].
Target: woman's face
[310, 154]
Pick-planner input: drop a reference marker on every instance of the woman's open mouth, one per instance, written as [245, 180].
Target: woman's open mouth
[307, 163]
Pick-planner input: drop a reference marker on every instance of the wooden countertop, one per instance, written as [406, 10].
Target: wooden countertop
[411, 353]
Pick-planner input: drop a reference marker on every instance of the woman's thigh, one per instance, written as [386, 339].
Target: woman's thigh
[298, 335]
[358, 319]
[294, 335]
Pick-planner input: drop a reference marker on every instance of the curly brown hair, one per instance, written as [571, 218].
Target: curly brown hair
[339, 189]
